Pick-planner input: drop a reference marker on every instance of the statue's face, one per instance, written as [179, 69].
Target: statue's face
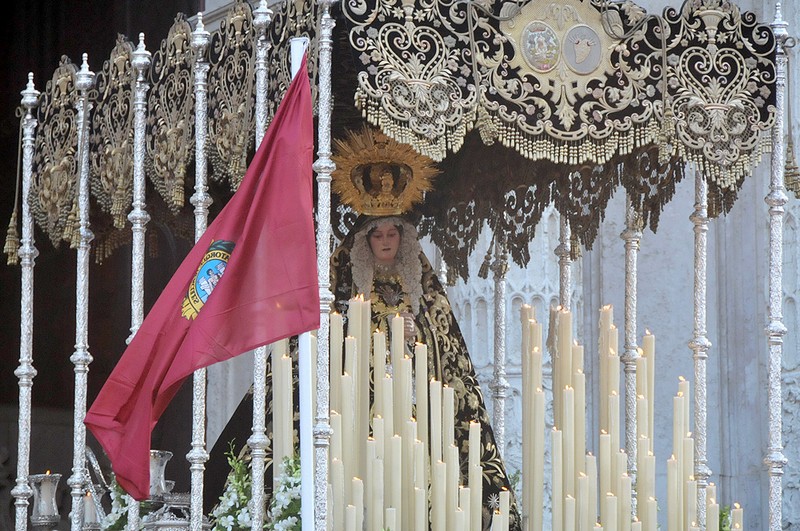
[384, 240]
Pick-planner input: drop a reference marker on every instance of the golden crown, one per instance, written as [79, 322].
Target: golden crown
[378, 176]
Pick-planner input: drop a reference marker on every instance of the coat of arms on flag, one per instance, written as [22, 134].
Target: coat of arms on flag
[208, 274]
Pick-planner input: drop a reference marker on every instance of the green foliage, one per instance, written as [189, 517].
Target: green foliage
[725, 518]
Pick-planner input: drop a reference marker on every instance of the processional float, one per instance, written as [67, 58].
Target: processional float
[522, 105]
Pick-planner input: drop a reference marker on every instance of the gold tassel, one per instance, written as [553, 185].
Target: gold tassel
[11, 247]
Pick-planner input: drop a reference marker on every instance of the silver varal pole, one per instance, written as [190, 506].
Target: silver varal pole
[500, 385]
[564, 253]
[632, 235]
[775, 330]
[27, 255]
[81, 358]
[258, 441]
[700, 343]
[323, 166]
[138, 215]
[198, 455]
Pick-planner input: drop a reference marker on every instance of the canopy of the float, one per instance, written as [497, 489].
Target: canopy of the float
[535, 102]
[521, 105]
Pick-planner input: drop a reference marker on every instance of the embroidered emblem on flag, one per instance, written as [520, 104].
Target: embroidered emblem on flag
[208, 274]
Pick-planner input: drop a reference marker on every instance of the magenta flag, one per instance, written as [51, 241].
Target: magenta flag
[250, 280]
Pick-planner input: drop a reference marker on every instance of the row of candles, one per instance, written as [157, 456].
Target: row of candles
[578, 502]
[399, 447]
[394, 459]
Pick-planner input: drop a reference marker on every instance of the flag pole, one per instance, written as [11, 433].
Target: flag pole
[305, 380]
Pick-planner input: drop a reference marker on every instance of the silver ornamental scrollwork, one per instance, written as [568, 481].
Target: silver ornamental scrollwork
[569, 81]
[413, 82]
[111, 134]
[721, 74]
[170, 144]
[53, 190]
[231, 97]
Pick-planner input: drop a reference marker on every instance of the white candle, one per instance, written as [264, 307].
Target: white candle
[350, 521]
[397, 338]
[408, 471]
[673, 496]
[624, 517]
[610, 513]
[538, 449]
[358, 501]
[691, 502]
[438, 496]
[379, 434]
[396, 478]
[420, 510]
[451, 487]
[402, 394]
[712, 517]
[568, 437]
[605, 469]
[591, 473]
[378, 369]
[336, 345]
[737, 516]
[369, 499]
[465, 504]
[677, 425]
[474, 448]
[448, 416]
[652, 514]
[336, 435]
[569, 513]
[613, 420]
[337, 480]
[649, 348]
[376, 510]
[391, 519]
[582, 503]
[436, 420]
[641, 421]
[420, 480]
[683, 387]
[505, 506]
[579, 385]
[476, 497]
[89, 509]
[556, 441]
[348, 428]
[641, 376]
[421, 383]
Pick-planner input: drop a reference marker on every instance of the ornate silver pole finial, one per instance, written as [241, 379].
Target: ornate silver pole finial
[27, 256]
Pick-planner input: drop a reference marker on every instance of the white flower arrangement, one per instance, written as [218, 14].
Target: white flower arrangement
[284, 507]
[232, 512]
